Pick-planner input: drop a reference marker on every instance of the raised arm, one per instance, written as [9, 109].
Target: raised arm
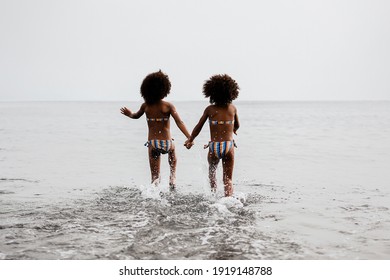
[180, 124]
[132, 115]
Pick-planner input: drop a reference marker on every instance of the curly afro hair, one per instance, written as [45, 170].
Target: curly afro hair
[221, 89]
[155, 87]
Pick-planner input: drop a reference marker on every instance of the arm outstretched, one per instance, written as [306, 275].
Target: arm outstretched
[197, 129]
[132, 115]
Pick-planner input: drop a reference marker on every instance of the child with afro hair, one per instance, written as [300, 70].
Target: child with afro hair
[154, 88]
[223, 121]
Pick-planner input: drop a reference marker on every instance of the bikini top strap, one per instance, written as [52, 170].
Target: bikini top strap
[157, 119]
[221, 122]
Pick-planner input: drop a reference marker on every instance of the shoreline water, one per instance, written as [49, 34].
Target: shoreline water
[314, 174]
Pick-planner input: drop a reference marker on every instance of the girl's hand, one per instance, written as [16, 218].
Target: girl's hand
[188, 144]
[126, 112]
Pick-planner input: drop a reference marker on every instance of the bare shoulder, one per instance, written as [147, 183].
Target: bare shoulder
[208, 111]
[209, 108]
[168, 104]
[144, 107]
[164, 104]
[232, 108]
[167, 107]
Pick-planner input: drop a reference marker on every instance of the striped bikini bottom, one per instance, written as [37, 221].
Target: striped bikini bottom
[161, 146]
[220, 149]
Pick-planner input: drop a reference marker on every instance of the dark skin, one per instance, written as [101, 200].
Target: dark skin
[219, 133]
[161, 131]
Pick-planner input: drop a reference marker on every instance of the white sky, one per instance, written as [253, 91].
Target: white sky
[276, 50]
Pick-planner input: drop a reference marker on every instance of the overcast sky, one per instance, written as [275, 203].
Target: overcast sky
[276, 50]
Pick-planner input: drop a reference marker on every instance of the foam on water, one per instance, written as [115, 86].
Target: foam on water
[132, 223]
[148, 222]
[230, 202]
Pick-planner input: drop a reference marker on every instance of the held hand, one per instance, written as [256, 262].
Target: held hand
[126, 112]
[235, 131]
[188, 144]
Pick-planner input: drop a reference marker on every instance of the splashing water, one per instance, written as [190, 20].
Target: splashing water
[136, 223]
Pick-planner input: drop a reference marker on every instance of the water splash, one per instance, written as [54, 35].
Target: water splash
[138, 222]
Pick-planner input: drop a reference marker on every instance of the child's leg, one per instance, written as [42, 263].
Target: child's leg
[172, 164]
[213, 164]
[227, 165]
[154, 162]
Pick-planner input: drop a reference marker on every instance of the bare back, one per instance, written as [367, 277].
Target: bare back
[221, 121]
[157, 117]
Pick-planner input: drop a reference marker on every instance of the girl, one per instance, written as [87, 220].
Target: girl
[223, 121]
[154, 88]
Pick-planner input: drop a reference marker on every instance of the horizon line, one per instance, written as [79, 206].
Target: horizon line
[239, 101]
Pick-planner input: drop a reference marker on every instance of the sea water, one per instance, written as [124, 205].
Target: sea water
[311, 179]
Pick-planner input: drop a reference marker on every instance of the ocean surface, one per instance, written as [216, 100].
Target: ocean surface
[312, 179]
